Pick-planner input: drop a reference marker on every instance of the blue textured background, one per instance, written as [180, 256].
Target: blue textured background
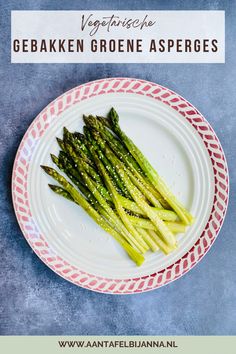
[34, 300]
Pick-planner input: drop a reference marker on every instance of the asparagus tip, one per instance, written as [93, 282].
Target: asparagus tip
[46, 168]
[65, 130]
[92, 122]
[113, 116]
[60, 143]
[78, 135]
[54, 158]
[52, 186]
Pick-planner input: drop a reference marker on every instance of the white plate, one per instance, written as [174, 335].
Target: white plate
[166, 133]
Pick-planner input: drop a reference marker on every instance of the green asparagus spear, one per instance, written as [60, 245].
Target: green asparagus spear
[62, 192]
[103, 207]
[78, 198]
[75, 178]
[158, 240]
[78, 142]
[61, 144]
[164, 214]
[104, 121]
[110, 168]
[138, 198]
[126, 203]
[68, 140]
[121, 212]
[151, 242]
[142, 187]
[152, 195]
[97, 125]
[100, 124]
[151, 173]
[93, 188]
[175, 227]
[141, 224]
[82, 165]
[148, 239]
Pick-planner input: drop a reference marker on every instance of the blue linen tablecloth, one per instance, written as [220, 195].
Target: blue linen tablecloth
[33, 299]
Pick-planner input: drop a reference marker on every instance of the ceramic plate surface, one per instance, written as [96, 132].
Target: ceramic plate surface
[179, 143]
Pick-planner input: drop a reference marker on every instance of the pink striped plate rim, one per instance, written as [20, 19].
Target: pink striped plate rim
[37, 241]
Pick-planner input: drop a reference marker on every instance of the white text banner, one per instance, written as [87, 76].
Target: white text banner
[117, 37]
